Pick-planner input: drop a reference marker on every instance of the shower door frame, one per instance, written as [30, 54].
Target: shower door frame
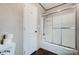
[75, 27]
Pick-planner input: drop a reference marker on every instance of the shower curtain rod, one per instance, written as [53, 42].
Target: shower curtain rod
[60, 10]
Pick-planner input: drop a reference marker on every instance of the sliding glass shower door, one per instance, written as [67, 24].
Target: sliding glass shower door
[60, 28]
[56, 28]
[68, 28]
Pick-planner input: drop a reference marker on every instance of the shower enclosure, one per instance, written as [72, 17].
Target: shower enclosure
[60, 28]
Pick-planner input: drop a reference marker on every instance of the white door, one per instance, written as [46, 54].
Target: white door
[30, 29]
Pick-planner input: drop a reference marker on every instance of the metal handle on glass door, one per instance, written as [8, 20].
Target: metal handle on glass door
[61, 27]
[65, 27]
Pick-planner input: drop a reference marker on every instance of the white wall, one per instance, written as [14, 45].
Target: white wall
[11, 16]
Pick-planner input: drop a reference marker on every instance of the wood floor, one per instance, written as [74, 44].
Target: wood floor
[43, 52]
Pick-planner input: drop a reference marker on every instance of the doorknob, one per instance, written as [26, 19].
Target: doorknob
[43, 34]
[35, 31]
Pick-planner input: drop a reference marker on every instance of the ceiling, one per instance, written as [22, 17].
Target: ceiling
[48, 6]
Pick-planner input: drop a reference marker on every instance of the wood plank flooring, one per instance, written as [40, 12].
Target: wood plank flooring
[43, 52]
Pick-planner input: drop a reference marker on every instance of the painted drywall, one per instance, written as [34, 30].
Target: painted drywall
[11, 16]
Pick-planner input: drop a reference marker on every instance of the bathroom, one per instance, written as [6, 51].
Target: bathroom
[26, 28]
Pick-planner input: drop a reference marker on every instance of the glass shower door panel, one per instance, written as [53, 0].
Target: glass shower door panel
[48, 29]
[68, 28]
[68, 19]
[57, 36]
[68, 37]
[57, 29]
[48, 35]
[57, 21]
